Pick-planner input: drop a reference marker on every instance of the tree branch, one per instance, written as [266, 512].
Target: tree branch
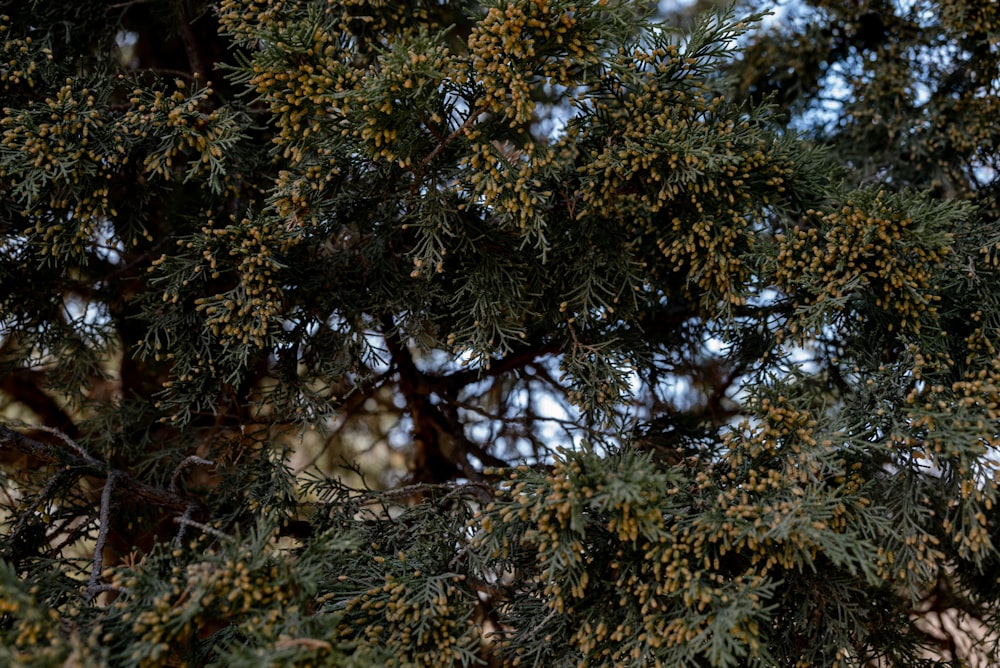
[515, 360]
[186, 462]
[102, 533]
[46, 453]
[190, 42]
[24, 387]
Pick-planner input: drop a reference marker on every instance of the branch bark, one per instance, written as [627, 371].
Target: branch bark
[55, 455]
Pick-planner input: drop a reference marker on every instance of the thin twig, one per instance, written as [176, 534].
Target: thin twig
[185, 521]
[124, 5]
[186, 462]
[70, 533]
[102, 533]
[85, 465]
[540, 625]
[66, 439]
[476, 489]
[99, 589]
[349, 407]
[473, 115]
[482, 491]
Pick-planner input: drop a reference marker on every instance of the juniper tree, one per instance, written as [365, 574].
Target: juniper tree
[524, 333]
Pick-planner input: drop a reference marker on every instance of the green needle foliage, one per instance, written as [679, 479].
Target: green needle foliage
[513, 333]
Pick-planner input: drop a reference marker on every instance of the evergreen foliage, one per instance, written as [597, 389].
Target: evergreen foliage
[523, 332]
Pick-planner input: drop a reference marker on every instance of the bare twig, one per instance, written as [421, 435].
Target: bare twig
[123, 5]
[473, 115]
[186, 462]
[101, 588]
[102, 533]
[183, 520]
[83, 464]
[477, 489]
[540, 625]
[71, 530]
[78, 463]
[482, 491]
[67, 440]
[351, 406]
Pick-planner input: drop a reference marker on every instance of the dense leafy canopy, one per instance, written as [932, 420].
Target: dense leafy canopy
[530, 332]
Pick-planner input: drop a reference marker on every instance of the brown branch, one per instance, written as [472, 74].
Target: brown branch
[473, 115]
[515, 360]
[46, 453]
[24, 387]
[190, 42]
[70, 459]
[433, 430]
